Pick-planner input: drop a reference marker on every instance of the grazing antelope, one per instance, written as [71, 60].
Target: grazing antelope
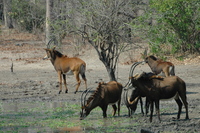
[156, 88]
[157, 66]
[105, 94]
[134, 99]
[64, 64]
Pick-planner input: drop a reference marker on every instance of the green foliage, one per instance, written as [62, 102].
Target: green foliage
[177, 24]
[27, 15]
[170, 26]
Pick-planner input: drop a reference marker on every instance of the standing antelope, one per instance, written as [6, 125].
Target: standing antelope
[64, 64]
[156, 88]
[157, 66]
[105, 94]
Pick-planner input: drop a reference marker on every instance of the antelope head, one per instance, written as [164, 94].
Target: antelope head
[85, 110]
[84, 113]
[49, 49]
[49, 53]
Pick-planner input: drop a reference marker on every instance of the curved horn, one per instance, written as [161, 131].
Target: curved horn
[131, 71]
[133, 68]
[126, 95]
[83, 97]
[135, 100]
[50, 41]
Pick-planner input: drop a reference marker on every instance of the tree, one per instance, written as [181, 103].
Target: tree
[6, 12]
[176, 26]
[24, 15]
[103, 25]
[49, 9]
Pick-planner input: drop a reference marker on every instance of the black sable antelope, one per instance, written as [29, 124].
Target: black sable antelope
[105, 94]
[64, 65]
[134, 95]
[156, 88]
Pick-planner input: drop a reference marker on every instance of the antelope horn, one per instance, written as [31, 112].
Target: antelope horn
[86, 93]
[125, 96]
[48, 44]
[135, 100]
[131, 71]
[133, 68]
[82, 104]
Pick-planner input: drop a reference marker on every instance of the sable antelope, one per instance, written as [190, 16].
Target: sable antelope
[105, 94]
[157, 66]
[64, 64]
[132, 99]
[135, 96]
[156, 88]
[133, 107]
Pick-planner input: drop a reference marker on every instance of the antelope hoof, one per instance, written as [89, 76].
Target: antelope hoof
[66, 91]
[59, 92]
[75, 92]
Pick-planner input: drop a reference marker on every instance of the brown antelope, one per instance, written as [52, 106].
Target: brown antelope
[156, 88]
[105, 94]
[157, 66]
[64, 64]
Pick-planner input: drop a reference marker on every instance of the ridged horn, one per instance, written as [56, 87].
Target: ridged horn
[83, 97]
[49, 43]
[131, 72]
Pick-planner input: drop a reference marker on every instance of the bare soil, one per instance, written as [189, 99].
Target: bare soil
[34, 79]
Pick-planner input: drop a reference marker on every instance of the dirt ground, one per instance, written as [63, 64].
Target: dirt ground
[34, 79]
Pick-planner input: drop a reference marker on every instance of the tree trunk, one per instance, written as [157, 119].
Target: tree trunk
[6, 10]
[49, 8]
[111, 73]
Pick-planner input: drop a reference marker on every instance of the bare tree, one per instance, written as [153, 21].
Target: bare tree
[104, 27]
[103, 23]
[49, 7]
[6, 11]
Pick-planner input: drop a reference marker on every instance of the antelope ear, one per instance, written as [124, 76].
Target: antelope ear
[135, 76]
[144, 55]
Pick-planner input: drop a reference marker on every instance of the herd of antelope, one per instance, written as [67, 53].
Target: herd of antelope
[149, 85]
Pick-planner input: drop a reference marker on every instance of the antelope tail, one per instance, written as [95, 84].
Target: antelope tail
[82, 71]
[171, 71]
